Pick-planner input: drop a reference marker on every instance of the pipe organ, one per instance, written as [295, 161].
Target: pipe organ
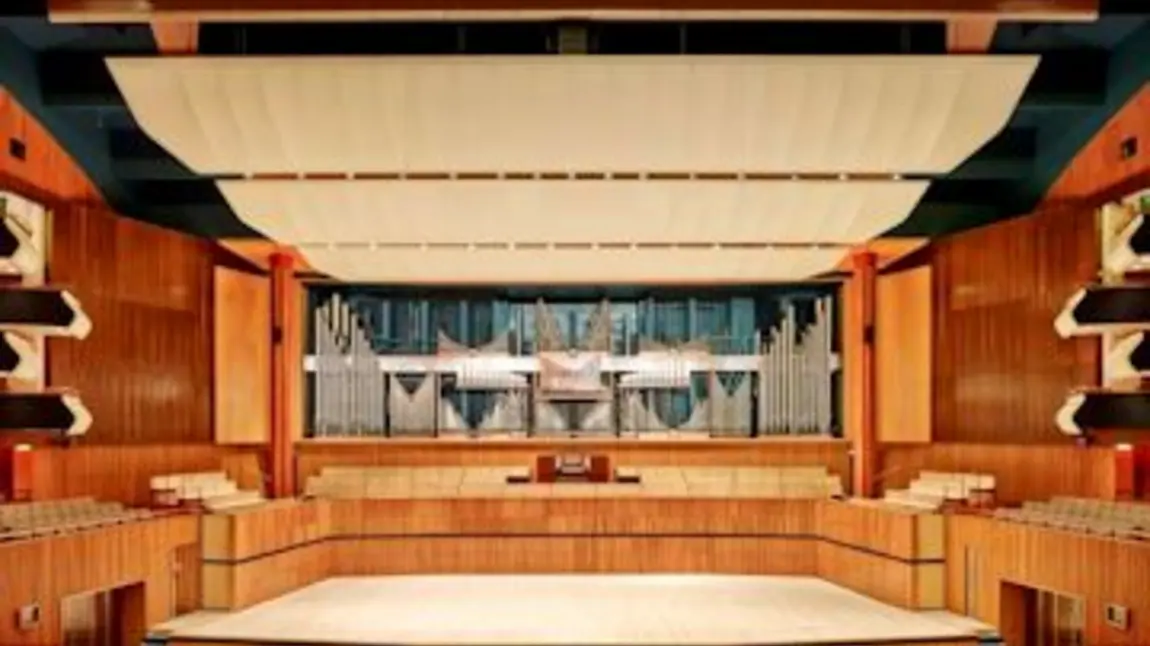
[548, 368]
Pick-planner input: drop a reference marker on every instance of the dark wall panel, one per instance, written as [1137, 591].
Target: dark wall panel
[1001, 372]
[145, 371]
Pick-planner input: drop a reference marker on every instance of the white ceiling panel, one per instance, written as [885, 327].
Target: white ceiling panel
[572, 266]
[571, 211]
[811, 114]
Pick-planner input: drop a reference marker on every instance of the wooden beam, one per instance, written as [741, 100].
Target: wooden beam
[865, 445]
[176, 37]
[970, 35]
[285, 322]
[321, 10]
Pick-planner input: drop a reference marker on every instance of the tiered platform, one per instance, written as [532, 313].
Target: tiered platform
[1104, 517]
[932, 489]
[212, 489]
[27, 520]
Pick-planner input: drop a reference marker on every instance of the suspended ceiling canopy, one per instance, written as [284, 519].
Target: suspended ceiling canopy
[432, 124]
[1085, 72]
[896, 114]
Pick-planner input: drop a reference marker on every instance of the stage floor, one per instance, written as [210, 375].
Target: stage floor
[684, 610]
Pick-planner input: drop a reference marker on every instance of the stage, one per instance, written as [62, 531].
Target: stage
[591, 610]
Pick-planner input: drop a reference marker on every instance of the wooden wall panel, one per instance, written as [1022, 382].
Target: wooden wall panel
[232, 586]
[915, 585]
[893, 555]
[586, 516]
[273, 527]
[242, 334]
[313, 455]
[124, 472]
[903, 337]
[47, 171]
[46, 570]
[1000, 370]
[1100, 570]
[467, 554]
[145, 371]
[1022, 472]
[1099, 166]
[881, 529]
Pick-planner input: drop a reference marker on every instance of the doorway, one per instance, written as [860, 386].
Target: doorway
[1034, 617]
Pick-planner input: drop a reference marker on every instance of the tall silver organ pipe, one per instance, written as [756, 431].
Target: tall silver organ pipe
[795, 376]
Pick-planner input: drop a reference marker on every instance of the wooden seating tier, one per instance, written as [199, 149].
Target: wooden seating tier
[32, 519]
[1103, 517]
[662, 482]
[212, 489]
[932, 489]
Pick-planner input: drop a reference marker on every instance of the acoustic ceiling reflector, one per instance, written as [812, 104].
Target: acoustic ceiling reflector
[571, 211]
[17, 253]
[17, 357]
[50, 312]
[1131, 249]
[44, 412]
[455, 265]
[1102, 309]
[808, 114]
[1104, 410]
[1129, 357]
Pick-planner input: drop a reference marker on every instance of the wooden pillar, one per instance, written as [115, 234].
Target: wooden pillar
[1125, 473]
[865, 445]
[282, 444]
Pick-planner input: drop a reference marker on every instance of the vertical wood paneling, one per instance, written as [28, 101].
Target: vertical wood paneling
[314, 455]
[904, 333]
[145, 371]
[1001, 372]
[124, 472]
[1099, 166]
[46, 570]
[1100, 570]
[242, 357]
[1022, 472]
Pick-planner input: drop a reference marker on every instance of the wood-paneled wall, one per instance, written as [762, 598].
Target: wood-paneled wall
[1022, 471]
[1000, 370]
[243, 363]
[893, 555]
[903, 356]
[983, 553]
[253, 555]
[46, 570]
[1099, 166]
[123, 473]
[145, 371]
[313, 455]
[47, 172]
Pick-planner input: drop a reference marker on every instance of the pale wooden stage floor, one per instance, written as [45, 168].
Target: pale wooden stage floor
[684, 610]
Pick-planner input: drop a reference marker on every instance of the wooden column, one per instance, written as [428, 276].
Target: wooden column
[864, 445]
[284, 320]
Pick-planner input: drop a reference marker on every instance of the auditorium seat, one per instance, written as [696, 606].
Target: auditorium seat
[1104, 517]
[343, 482]
[26, 520]
[211, 489]
[932, 489]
